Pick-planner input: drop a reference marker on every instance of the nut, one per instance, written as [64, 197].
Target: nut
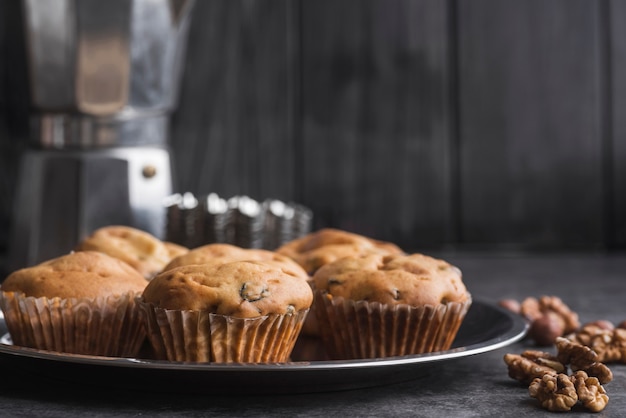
[609, 344]
[582, 357]
[510, 305]
[549, 382]
[530, 309]
[561, 392]
[554, 392]
[590, 392]
[555, 304]
[578, 355]
[602, 324]
[546, 328]
[532, 364]
[549, 317]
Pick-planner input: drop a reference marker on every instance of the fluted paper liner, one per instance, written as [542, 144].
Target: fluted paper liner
[106, 326]
[311, 327]
[202, 336]
[361, 329]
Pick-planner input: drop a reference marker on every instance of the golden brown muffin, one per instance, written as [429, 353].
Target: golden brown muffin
[80, 303]
[222, 253]
[327, 245]
[240, 311]
[414, 280]
[143, 251]
[324, 246]
[379, 306]
[242, 289]
[174, 250]
[87, 274]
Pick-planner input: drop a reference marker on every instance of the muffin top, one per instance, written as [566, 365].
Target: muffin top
[87, 274]
[243, 289]
[222, 253]
[143, 251]
[327, 245]
[414, 280]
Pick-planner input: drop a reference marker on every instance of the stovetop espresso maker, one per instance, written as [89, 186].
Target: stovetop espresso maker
[103, 80]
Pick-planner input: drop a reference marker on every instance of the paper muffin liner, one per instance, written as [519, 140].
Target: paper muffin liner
[311, 326]
[107, 326]
[360, 329]
[202, 336]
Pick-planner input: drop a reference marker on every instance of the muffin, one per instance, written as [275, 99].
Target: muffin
[327, 245]
[143, 251]
[80, 303]
[324, 246]
[239, 311]
[381, 306]
[221, 253]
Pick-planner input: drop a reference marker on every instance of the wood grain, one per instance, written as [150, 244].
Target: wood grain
[531, 151]
[13, 111]
[375, 115]
[615, 148]
[233, 132]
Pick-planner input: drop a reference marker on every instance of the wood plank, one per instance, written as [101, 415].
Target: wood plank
[13, 111]
[233, 130]
[616, 149]
[375, 115]
[7, 173]
[530, 100]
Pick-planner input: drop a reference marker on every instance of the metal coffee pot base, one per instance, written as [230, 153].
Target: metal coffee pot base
[62, 196]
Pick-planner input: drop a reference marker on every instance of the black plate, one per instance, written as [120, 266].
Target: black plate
[485, 328]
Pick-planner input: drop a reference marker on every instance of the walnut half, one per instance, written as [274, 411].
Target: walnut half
[532, 364]
[609, 344]
[581, 357]
[561, 392]
[554, 392]
[590, 392]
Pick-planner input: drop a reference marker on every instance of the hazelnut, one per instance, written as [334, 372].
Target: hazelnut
[545, 329]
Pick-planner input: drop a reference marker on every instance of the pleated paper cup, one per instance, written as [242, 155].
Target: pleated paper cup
[311, 327]
[202, 336]
[106, 326]
[360, 329]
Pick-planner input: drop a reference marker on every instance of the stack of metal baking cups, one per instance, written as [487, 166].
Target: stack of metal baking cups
[193, 221]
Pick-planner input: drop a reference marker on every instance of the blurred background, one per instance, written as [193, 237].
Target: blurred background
[491, 125]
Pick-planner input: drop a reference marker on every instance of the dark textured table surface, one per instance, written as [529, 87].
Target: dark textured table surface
[476, 386]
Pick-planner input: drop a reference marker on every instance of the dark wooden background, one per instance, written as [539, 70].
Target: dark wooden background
[483, 124]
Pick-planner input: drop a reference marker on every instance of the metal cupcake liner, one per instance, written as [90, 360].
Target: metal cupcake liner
[240, 220]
